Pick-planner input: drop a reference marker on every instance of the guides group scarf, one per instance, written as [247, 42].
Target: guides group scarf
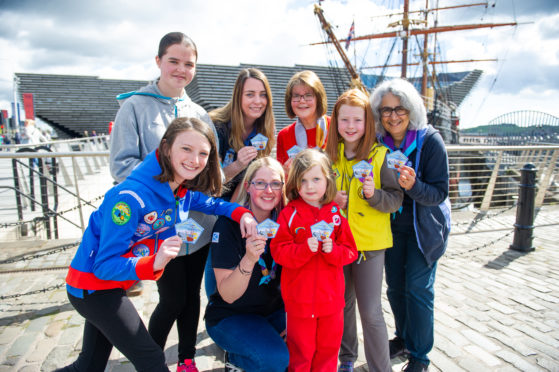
[321, 133]
[406, 147]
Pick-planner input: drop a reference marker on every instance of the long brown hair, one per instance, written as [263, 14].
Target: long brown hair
[356, 98]
[233, 112]
[209, 180]
[301, 164]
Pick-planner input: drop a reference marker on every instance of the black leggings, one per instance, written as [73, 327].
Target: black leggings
[179, 299]
[112, 319]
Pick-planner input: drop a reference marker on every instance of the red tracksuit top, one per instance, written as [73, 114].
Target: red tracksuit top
[286, 140]
[312, 283]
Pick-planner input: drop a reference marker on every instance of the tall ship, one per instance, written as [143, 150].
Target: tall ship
[412, 37]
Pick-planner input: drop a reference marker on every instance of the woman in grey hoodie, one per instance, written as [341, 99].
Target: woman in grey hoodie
[140, 123]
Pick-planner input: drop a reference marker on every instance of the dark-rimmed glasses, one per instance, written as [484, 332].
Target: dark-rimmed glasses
[387, 111]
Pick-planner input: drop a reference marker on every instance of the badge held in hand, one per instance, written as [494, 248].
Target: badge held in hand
[362, 170]
[189, 231]
[259, 141]
[267, 228]
[321, 230]
[396, 160]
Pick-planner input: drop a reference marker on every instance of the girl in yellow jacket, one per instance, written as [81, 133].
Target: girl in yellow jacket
[368, 192]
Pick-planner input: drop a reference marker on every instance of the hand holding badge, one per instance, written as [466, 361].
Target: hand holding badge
[267, 228]
[259, 141]
[321, 230]
[396, 160]
[293, 151]
[189, 231]
[362, 170]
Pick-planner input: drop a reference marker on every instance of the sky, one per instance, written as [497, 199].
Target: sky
[119, 39]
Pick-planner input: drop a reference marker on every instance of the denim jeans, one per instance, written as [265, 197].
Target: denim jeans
[411, 293]
[210, 284]
[253, 341]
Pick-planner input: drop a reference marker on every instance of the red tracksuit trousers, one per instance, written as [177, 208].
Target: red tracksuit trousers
[314, 343]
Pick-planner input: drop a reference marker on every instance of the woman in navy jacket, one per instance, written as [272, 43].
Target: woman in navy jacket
[132, 237]
[420, 229]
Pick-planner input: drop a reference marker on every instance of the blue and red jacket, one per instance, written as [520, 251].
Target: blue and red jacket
[119, 245]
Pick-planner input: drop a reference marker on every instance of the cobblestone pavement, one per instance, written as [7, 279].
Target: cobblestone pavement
[495, 309]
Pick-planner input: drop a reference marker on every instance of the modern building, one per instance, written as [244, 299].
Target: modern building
[73, 105]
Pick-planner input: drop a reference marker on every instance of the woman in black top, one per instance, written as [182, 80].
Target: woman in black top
[245, 316]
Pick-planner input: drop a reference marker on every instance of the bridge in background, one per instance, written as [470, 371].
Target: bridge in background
[524, 127]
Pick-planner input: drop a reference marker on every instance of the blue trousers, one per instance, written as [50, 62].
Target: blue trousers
[210, 284]
[411, 293]
[253, 341]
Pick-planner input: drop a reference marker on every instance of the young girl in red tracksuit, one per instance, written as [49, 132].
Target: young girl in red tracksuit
[312, 282]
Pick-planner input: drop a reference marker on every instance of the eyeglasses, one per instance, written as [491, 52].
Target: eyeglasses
[307, 97]
[261, 185]
[387, 111]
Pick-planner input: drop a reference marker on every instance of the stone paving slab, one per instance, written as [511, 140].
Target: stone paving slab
[495, 309]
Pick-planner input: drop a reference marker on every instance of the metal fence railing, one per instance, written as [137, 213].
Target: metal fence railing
[488, 176]
[49, 186]
[51, 190]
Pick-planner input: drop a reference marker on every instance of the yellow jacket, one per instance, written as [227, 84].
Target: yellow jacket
[370, 227]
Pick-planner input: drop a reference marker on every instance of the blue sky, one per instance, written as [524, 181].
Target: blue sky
[118, 39]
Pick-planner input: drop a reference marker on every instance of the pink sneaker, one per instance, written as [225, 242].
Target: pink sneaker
[188, 365]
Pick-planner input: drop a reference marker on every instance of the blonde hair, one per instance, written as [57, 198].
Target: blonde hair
[265, 162]
[356, 98]
[233, 112]
[301, 164]
[310, 79]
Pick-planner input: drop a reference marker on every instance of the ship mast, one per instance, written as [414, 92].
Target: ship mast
[425, 55]
[405, 37]
[355, 79]
[405, 34]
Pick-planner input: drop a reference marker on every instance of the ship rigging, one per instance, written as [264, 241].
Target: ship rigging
[442, 110]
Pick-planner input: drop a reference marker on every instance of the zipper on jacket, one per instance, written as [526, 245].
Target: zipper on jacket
[315, 277]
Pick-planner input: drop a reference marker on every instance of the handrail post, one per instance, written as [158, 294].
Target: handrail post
[524, 225]
[546, 177]
[54, 169]
[86, 161]
[78, 198]
[23, 230]
[93, 158]
[44, 197]
[31, 183]
[486, 203]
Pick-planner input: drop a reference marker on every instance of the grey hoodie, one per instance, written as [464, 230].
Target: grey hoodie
[140, 123]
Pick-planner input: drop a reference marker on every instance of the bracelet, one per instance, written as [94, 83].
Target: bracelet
[243, 271]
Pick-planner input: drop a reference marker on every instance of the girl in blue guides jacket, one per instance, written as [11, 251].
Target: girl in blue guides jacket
[132, 237]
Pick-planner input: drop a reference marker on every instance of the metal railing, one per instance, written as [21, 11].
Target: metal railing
[71, 184]
[52, 182]
[488, 176]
